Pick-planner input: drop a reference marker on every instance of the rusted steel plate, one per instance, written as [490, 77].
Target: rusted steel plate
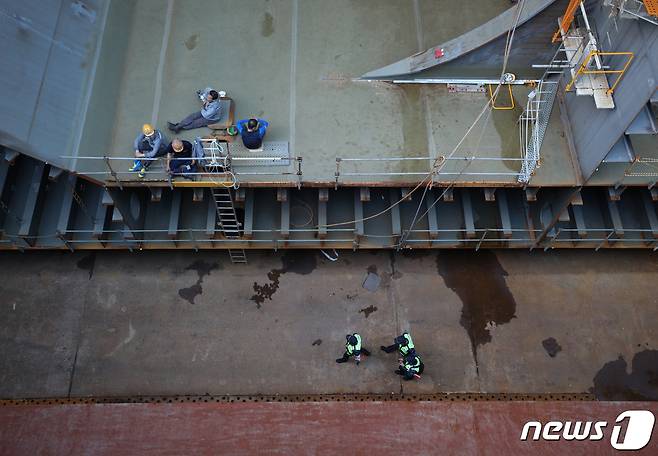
[310, 428]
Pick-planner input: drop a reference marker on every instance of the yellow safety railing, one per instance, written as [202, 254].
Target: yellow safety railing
[493, 99]
[583, 69]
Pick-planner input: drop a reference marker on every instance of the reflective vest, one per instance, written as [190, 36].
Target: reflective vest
[413, 366]
[350, 349]
[405, 349]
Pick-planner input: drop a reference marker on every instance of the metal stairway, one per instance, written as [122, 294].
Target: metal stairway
[227, 221]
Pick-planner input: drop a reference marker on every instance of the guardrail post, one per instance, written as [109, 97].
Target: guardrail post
[299, 173]
[112, 172]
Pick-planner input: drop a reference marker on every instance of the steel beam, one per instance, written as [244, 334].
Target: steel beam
[67, 205]
[579, 218]
[30, 215]
[432, 222]
[615, 218]
[285, 212]
[249, 213]
[503, 210]
[211, 217]
[174, 214]
[467, 206]
[650, 212]
[358, 214]
[396, 223]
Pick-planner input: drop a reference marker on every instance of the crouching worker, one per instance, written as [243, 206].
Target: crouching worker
[411, 367]
[179, 157]
[150, 143]
[252, 132]
[353, 348]
[403, 344]
[210, 113]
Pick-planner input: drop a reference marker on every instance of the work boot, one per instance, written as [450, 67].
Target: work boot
[142, 172]
[341, 360]
[172, 126]
[399, 372]
[136, 165]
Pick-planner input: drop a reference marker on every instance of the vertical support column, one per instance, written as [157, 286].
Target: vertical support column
[285, 212]
[323, 198]
[248, 196]
[358, 215]
[396, 224]
[432, 221]
[503, 209]
[67, 206]
[174, 215]
[30, 216]
[211, 218]
[469, 224]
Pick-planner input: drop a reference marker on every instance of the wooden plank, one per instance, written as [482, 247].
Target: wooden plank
[281, 194]
[365, 194]
[197, 194]
[490, 194]
[156, 194]
[323, 194]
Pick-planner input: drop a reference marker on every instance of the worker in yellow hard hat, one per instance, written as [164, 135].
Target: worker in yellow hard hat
[150, 143]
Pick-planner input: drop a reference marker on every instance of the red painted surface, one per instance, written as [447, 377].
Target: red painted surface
[352, 428]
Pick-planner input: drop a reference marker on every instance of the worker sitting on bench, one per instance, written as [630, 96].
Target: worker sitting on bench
[210, 113]
[151, 143]
[179, 157]
[252, 132]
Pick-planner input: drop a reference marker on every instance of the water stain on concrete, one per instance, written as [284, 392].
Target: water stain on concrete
[202, 269]
[299, 262]
[614, 383]
[296, 262]
[317, 342]
[551, 346]
[87, 263]
[368, 310]
[267, 25]
[192, 41]
[267, 290]
[479, 281]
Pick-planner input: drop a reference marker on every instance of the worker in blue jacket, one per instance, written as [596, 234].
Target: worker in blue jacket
[252, 132]
[150, 143]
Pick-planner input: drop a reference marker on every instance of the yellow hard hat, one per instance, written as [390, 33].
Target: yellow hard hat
[147, 129]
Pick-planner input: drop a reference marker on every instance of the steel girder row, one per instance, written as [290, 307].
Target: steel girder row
[44, 208]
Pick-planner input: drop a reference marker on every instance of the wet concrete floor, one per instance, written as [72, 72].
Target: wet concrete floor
[161, 323]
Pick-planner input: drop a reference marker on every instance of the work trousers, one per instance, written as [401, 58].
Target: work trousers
[347, 356]
[194, 120]
[145, 147]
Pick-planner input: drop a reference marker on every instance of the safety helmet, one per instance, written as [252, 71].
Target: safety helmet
[351, 339]
[148, 130]
[232, 130]
[177, 145]
[401, 340]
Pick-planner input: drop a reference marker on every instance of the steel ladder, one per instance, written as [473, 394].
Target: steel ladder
[227, 221]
